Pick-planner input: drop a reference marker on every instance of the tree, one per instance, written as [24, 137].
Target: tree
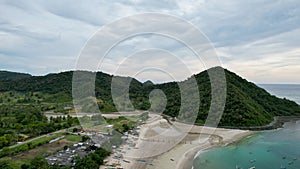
[25, 166]
[75, 130]
[38, 163]
[84, 138]
[5, 165]
[125, 127]
[86, 163]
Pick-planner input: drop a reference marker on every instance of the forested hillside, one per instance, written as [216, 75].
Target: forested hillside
[5, 75]
[246, 103]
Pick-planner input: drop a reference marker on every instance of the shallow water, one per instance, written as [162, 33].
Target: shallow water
[266, 150]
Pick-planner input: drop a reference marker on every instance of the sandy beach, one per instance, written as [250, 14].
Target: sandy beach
[161, 144]
[182, 156]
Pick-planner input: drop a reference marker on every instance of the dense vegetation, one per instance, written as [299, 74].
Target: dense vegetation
[246, 103]
[20, 122]
[92, 161]
[5, 75]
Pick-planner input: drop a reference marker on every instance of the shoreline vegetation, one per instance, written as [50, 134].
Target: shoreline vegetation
[278, 122]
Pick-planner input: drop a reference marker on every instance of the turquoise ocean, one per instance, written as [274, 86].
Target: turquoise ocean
[274, 149]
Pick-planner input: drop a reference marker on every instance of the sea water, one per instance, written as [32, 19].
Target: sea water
[289, 91]
[274, 149]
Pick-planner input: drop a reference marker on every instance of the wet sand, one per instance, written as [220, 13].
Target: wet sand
[171, 146]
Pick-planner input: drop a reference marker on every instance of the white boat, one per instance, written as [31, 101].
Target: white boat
[282, 167]
[237, 167]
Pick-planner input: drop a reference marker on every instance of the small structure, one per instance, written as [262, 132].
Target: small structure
[109, 126]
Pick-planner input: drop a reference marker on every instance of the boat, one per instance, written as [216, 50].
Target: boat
[282, 167]
[252, 167]
[252, 161]
[126, 161]
[237, 167]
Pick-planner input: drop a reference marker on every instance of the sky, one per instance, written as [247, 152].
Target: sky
[257, 39]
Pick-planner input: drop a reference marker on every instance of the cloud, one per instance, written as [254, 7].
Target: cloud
[257, 39]
[234, 22]
[269, 60]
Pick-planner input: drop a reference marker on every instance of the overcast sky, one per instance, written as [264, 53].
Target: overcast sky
[257, 39]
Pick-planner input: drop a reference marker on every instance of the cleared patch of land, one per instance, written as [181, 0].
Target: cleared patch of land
[41, 150]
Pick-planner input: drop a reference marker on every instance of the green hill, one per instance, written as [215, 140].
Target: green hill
[246, 103]
[6, 75]
[148, 82]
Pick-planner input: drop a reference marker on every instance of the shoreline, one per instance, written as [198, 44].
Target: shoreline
[189, 155]
[152, 148]
[183, 155]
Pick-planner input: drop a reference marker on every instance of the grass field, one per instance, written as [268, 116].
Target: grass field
[73, 138]
[28, 145]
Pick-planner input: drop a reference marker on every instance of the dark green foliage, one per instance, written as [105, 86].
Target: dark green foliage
[84, 138]
[246, 104]
[5, 75]
[92, 161]
[148, 82]
[86, 163]
[39, 162]
[250, 105]
[17, 121]
[5, 165]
